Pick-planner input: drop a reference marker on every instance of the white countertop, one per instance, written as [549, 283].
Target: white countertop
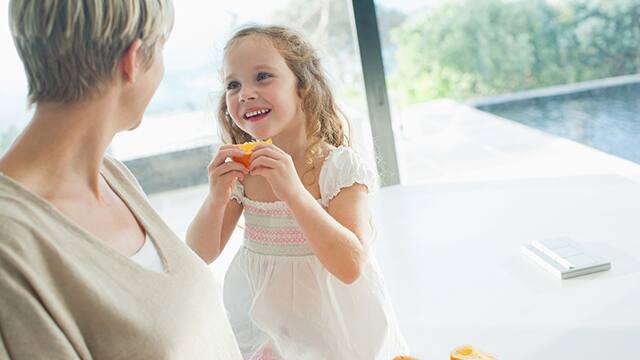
[450, 254]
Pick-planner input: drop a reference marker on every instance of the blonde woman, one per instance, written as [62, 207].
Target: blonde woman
[87, 268]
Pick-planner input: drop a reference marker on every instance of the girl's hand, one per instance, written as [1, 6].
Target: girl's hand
[276, 166]
[223, 174]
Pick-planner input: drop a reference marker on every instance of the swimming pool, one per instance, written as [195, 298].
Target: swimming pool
[607, 119]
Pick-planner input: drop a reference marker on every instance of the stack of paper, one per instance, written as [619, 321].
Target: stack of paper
[564, 258]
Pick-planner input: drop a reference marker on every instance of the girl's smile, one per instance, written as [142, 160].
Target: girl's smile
[253, 115]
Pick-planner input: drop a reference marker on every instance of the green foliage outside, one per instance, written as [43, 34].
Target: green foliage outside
[473, 48]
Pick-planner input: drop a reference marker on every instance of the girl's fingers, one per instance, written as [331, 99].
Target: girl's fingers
[225, 152]
[261, 171]
[263, 162]
[267, 150]
[230, 176]
[230, 166]
[265, 146]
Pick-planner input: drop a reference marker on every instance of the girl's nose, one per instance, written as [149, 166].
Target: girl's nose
[246, 96]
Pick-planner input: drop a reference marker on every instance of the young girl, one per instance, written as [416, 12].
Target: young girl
[303, 286]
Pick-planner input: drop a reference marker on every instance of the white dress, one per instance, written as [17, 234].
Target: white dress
[283, 303]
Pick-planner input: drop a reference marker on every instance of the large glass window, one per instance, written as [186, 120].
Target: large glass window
[13, 109]
[181, 115]
[566, 67]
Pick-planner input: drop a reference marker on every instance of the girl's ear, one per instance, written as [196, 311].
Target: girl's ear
[129, 67]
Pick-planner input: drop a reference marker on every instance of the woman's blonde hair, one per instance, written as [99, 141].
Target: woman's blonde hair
[324, 120]
[70, 48]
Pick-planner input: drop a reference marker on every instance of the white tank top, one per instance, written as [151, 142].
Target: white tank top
[148, 256]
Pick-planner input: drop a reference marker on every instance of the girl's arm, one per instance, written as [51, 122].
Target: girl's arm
[336, 236]
[213, 225]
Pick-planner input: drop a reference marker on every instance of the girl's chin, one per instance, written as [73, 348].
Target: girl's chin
[261, 135]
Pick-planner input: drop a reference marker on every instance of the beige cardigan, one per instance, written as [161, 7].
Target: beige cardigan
[66, 295]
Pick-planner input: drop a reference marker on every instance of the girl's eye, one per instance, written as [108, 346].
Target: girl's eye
[233, 85]
[262, 76]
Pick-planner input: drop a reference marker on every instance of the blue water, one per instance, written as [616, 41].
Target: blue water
[607, 119]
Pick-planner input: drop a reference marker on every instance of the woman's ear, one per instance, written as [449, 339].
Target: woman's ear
[129, 66]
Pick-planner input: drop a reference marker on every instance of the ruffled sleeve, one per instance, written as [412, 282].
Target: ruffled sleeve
[237, 193]
[342, 168]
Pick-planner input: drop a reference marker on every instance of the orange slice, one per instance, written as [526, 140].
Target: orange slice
[468, 352]
[248, 149]
[403, 357]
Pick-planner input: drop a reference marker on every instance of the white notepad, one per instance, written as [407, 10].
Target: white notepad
[564, 258]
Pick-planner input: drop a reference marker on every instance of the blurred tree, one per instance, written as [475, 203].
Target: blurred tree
[606, 37]
[468, 48]
[484, 47]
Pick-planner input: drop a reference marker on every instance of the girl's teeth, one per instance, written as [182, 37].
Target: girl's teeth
[259, 112]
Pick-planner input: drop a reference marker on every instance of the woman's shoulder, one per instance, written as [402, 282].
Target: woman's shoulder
[26, 221]
[16, 237]
[114, 166]
[17, 208]
[119, 172]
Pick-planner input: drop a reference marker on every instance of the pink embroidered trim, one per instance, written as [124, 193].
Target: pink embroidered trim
[277, 236]
[266, 212]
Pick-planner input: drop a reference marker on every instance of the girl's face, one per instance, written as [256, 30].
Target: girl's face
[261, 90]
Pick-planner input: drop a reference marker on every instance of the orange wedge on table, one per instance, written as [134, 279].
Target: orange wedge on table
[468, 352]
[248, 149]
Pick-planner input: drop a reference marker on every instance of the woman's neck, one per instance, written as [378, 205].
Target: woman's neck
[63, 146]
